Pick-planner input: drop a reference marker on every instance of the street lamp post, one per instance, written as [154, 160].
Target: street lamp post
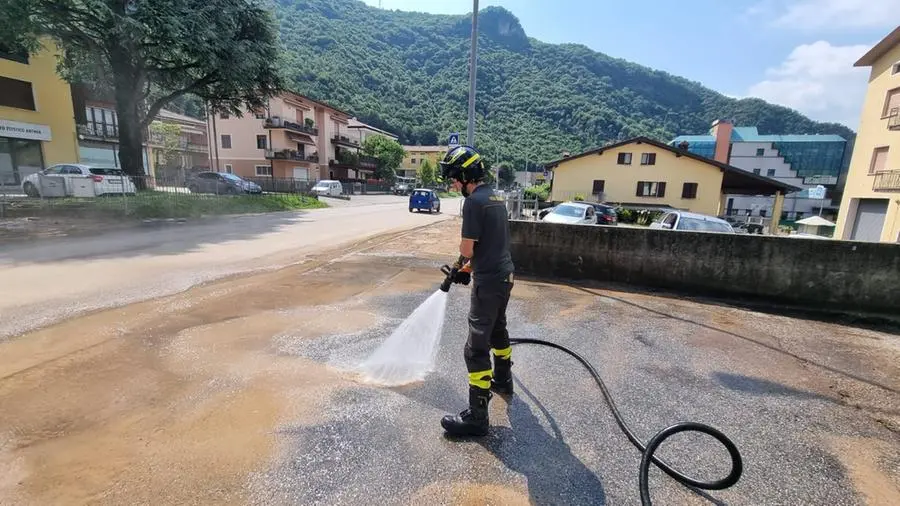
[470, 134]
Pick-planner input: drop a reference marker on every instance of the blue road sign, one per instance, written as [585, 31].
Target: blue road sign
[454, 140]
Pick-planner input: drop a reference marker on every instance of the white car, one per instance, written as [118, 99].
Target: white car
[328, 187]
[572, 213]
[105, 180]
[691, 222]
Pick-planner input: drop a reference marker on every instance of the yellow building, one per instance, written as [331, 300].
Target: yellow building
[870, 210]
[416, 154]
[644, 173]
[37, 121]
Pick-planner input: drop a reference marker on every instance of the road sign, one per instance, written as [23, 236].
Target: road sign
[817, 193]
[453, 141]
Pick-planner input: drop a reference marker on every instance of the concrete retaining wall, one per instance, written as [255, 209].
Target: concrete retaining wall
[816, 273]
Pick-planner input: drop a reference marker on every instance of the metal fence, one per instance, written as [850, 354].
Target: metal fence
[117, 196]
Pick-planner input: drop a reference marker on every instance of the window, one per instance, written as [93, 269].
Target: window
[879, 160]
[226, 141]
[757, 171]
[760, 151]
[770, 173]
[891, 103]
[895, 68]
[224, 115]
[263, 170]
[599, 185]
[229, 169]
[260, 114]
[13, 53]
[15, 93]
[689, 191]
[412, 161]
[670, 220]
[651, 189]
[763, 212]
[647, 159]
[624, 159]
[260, 142]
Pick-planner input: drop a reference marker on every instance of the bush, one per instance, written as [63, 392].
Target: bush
[449, 195]
[540, 192]
[579, 197]
[626, 215]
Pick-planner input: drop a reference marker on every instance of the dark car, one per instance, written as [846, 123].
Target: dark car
[221, 183]
[606, 215]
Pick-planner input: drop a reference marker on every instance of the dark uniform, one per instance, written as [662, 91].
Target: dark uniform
[485, 222]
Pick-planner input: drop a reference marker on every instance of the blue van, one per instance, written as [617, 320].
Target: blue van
[423, 199]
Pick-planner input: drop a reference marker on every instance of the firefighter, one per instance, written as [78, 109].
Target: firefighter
[486, 261]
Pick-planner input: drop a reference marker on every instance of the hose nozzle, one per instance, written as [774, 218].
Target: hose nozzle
[451, 272]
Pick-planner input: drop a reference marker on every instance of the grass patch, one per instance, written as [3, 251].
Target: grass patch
[449, 195]
[153, 204]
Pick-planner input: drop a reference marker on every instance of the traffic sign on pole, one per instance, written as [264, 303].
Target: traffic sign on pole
[454, 140]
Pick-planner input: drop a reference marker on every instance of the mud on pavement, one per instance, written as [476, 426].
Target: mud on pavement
[236, 392]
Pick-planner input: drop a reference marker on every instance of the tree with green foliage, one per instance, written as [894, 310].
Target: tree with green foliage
[389, 154]
[507, 174]
[168, 137]
[426, 174]
[151, 52]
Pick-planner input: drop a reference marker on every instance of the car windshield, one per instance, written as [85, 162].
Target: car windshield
[695, 225]
[103, 171]
[231, 177]
[571, 211]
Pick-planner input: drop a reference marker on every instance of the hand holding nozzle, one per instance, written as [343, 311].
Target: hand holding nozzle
[460, 273]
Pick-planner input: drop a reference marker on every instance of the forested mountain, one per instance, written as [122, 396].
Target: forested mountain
[408, 73]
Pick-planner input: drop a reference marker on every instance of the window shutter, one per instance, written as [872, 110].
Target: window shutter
[639, 186]
[879, 160]
[598, 186]
[892, 101]
[621, 160]
[661, 189]
[686, 191]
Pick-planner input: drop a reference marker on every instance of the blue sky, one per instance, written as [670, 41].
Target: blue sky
[797, 53]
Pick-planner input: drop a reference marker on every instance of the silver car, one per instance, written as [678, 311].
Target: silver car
[105, 180]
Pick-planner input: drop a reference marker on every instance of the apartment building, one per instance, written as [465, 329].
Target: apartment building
[98, 139]
[293, 137]
[37, 121]
[804, 161]
[415, 155]
[870, 210]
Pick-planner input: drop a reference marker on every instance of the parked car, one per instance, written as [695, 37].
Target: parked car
[606, 214]
[328, 188]
[423, 199]
[574, 213]
[105, 180]
[691, 222]
[221, 183]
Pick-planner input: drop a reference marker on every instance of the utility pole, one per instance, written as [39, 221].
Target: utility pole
[470, 134]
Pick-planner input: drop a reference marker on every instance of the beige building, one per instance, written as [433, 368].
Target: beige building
[294, 137]
[644, 173]
[416, 154]
[870, 210]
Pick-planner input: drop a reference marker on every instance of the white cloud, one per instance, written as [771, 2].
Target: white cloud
[829, 14]
[820, 81]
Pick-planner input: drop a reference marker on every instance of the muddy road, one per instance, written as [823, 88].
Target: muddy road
[238, 391]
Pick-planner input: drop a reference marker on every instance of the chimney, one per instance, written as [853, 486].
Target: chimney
[721, 130]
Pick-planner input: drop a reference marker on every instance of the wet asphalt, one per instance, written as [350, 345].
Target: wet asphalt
[555, 441]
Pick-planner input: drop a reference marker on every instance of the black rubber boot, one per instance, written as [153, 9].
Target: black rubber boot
[502, 382]
[472, 421]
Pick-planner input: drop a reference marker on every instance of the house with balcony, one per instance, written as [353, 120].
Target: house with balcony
[98, 139]
[293, 137]
[870, 209]
[416, 155]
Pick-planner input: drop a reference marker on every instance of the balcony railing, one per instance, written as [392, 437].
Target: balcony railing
[894, 119]
[368, 162]
[286, 154]
[290, 125]
[344, 140]
[99, 130]
[886, 181]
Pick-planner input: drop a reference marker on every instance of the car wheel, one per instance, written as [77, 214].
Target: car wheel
[410, 209]
[194, 188]
[438, 209]
[30, 190]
